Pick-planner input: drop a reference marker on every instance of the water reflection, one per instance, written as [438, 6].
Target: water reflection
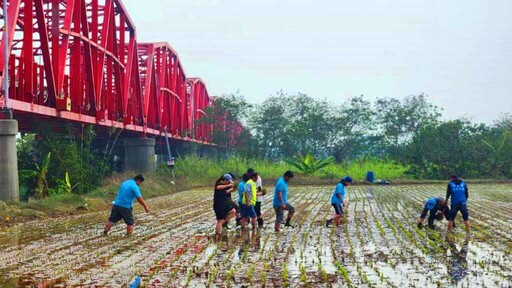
[251, 242]
[457, 264]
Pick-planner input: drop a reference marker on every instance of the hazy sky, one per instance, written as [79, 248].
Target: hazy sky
[457, 52]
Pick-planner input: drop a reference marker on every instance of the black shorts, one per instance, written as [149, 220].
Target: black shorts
[221, 212]
[463, 208]
[257, 208]
[119, 213]
[232, 204]
[338, 209]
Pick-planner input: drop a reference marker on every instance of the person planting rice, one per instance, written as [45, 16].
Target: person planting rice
[437, 207]
[338, 199]
[249, 201]
[259, 197]
[221, 206]
[123, 204]
[459, 192]
[241, 188]
[280, 201]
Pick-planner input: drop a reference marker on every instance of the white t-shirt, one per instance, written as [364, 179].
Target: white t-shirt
[259, 184]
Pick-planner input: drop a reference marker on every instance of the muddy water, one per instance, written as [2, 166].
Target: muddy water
[377, 246]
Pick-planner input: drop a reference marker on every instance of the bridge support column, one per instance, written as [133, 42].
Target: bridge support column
[9, 185]
[139, 154]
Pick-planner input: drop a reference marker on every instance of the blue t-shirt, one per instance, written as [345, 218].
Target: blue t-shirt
[241, 188]
[339, 190]
[127, 193]
[281, 185]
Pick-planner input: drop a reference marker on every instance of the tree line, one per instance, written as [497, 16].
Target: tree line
[410, 131]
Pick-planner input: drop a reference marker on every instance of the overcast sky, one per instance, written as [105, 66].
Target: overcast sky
[457, 52]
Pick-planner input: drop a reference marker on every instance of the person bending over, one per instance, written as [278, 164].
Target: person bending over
[337, 198]
[123, 204]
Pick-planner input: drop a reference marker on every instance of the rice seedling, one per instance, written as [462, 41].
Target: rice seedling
[376, 243]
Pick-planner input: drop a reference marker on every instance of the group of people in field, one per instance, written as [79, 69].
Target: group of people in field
[250, 192]
[439, 209]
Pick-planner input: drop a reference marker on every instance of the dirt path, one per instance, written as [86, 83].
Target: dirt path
[379, 246]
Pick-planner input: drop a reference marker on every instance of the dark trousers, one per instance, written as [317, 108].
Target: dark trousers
[431, 216]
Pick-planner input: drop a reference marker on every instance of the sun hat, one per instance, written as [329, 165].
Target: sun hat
[228, 177]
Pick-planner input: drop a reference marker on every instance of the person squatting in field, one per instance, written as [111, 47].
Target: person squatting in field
[438, 210]
[123, 204]
[458, 190]
[259, 197]
[221, 206]
[249, 201]
[280, 201]
[337, 198]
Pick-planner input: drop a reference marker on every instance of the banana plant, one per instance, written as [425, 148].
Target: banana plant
[307, 163]
[41, 187]
[63, 186]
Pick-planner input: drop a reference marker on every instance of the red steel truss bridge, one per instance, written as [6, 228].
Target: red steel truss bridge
[79, 61]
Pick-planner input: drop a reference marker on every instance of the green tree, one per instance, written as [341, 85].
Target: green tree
[73, 153]
[400, 121]
[440, 150]
[287, 124]
[226, 116]
[269, 124]
[498, 143]
[310, 125]
[353, 131]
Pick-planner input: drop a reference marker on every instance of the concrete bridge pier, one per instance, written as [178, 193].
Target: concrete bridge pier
[139, 154]
[9, 185]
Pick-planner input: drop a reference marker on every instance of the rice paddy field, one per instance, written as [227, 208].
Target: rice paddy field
[379, 245]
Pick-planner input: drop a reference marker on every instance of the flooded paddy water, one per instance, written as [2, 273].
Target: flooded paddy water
[378, 246]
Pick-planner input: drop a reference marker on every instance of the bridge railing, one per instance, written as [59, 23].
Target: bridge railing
[80, 61]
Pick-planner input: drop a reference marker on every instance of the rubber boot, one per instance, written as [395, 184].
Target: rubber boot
[260, 223]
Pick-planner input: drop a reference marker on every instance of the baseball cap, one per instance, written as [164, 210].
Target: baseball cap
[347, 179]
[430, 203]
[228, 177]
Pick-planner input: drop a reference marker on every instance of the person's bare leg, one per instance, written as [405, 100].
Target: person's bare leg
[230, 215]
[450, 226]
[338, 220]
[218, 227]
[129, 229]
[108, 226]
[253, 223]
[468, 226]
[276, 227]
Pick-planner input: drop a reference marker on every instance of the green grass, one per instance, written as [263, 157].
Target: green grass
[191, 171]
[383, 169]
[203, 171]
